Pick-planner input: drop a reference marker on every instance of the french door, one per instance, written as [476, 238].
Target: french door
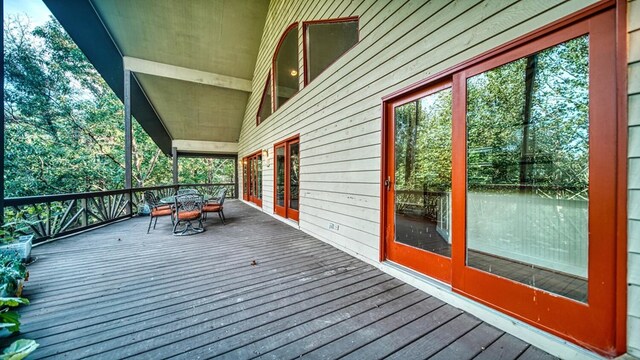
[418, 183]
[499, 179]
[252, 180]
[287, 178]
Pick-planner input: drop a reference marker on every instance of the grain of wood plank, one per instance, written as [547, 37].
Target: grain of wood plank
[470, 344]
[507, 347]
[303, 296]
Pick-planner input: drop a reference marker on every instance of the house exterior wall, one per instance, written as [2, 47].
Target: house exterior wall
[633, 239]
[338, 114]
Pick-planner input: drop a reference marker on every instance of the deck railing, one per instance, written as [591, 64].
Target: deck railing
[51, 216]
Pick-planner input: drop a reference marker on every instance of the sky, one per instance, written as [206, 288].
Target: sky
[36, 10]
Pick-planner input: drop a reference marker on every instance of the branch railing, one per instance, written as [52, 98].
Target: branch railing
[51, 216]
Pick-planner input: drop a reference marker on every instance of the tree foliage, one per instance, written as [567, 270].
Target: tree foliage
[64, 127]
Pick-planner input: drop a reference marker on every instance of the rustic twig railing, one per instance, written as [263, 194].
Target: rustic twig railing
[51, 216]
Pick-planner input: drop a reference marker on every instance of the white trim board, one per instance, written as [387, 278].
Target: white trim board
[148, 67]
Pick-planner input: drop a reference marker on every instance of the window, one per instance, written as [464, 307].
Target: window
[285, 66]
[325, 41]
[264, 110]
[532, 161]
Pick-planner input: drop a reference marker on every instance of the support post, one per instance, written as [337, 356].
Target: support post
[174, 154]
[237, 188]
[127, 138]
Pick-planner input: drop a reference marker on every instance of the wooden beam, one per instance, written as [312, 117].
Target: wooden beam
[209, 147]
[185, 74]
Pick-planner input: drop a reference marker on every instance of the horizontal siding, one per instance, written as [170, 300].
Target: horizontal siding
[338, 115]
[633, 205]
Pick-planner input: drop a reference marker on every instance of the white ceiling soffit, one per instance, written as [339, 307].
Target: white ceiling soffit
[194, 59]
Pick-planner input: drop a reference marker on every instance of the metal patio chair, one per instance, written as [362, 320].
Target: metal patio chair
[157, 209]
[188, 211]
[216, 207]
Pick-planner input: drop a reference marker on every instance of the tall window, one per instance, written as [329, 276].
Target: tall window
[325, 41]
[285, 66]
[264, 111]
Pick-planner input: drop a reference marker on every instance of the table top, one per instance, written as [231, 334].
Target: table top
[172, 199]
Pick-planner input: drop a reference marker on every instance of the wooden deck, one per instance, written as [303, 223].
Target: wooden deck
[116, 292]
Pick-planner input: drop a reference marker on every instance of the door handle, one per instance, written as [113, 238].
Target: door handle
[387, 183]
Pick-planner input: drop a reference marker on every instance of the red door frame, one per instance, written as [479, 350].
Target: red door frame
[285, 211]
[431, 264]
[250, 181]
[599, 325]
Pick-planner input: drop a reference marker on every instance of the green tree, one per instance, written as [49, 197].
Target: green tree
[63, 124]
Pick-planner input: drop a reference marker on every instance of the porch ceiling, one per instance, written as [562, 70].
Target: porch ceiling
[194, 59]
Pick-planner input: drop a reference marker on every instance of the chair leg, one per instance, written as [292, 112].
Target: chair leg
[221, 218]
[150, 221]
[155, 223]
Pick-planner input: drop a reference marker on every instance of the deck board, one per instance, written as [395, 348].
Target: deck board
[117, 292]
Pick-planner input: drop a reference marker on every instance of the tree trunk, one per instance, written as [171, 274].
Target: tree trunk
[526, 158]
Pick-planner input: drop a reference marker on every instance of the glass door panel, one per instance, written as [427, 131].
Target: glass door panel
[423, 173]
[528, 169]
[418, 206]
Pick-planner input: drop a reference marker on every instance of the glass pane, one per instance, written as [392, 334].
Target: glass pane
[294, 167]
[287, 68]
[326, 42]
[245, 178]
[259, 177]
[252, 175]
[423, 173]
[280, 176]
[265, 105]
[528, 169]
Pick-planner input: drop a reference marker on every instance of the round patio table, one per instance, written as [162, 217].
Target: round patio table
[172, 199]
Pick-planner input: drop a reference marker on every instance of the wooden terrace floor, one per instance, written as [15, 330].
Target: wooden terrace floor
[116, 292]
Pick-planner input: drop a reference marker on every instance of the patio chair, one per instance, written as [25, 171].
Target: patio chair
[188, 210]
[186, 191]
[216, 207]
[157, 209]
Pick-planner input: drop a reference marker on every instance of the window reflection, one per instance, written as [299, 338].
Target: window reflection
[423, 173]
[286, 68]
[527, 172]
[326, 42]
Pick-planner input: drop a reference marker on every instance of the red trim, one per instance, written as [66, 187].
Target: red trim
[621, 193]
[266, 85]
[305, 25]
[599, 325]
[285, 211]
[274, 93]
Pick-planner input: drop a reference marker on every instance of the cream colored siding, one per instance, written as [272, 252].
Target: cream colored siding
[338, 115]
[633, 266]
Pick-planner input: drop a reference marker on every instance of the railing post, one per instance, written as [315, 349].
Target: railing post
[84, 218]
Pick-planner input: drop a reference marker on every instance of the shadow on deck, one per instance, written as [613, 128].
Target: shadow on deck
[116, 292]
